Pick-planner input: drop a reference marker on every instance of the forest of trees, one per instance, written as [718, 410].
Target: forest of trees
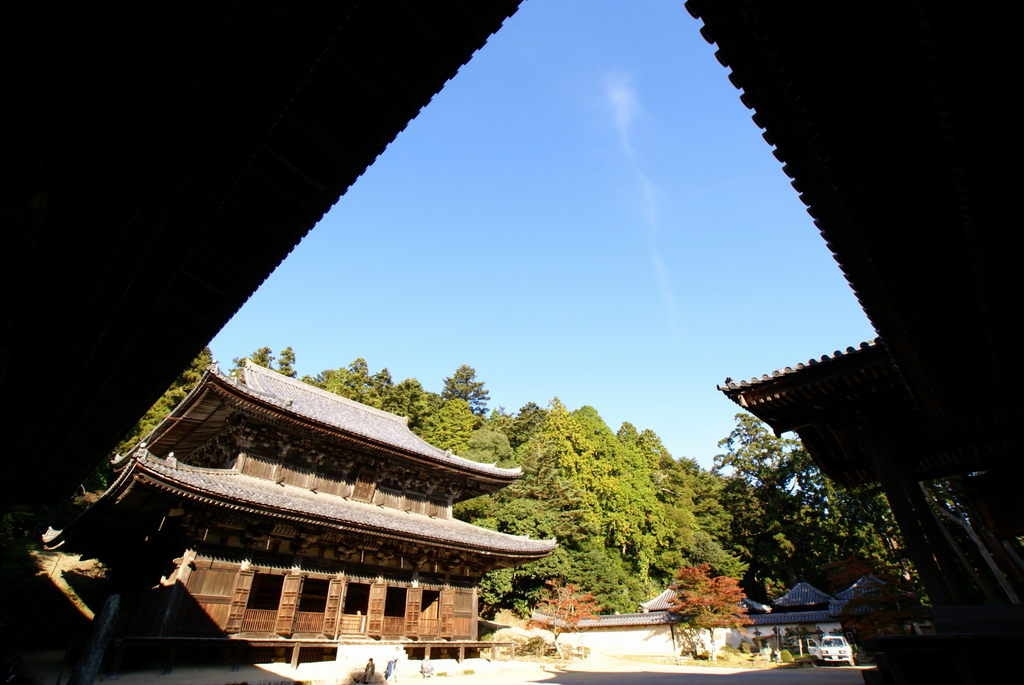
[627, 514]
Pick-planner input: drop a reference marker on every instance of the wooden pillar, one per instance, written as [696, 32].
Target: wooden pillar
[462, 653]
[88, 664]
[426, 652]
[296, 651]
[903, 510]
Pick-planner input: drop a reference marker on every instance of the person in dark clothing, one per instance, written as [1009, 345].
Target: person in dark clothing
[368, 673]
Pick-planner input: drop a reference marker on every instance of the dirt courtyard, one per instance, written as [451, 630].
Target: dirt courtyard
[43, 669]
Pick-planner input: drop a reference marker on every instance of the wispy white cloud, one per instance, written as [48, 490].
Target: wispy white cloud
[626, 109]
[625, 105]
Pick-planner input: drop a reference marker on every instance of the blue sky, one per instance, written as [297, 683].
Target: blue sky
[585, 211]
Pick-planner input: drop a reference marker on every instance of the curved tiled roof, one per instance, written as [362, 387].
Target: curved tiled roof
[307, 401]
[793, 617]
[662, 602]
[865, 585]
[755, 607]
[802, 594]
[241, 491]
[825, 359]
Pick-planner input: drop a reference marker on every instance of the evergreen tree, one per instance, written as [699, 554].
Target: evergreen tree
[462, 385]
[788, 519]
[451, 428]
[286, 363]
[490, 447]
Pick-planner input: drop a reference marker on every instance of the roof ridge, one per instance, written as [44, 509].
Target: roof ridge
[326, 394]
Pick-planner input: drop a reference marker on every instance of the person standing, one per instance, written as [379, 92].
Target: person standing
[368, 672]
[390, 673]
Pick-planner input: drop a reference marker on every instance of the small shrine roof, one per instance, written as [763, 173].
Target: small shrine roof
[244, 492]
[662, 602]
[802, 594]
[865, 585]
[754, 607]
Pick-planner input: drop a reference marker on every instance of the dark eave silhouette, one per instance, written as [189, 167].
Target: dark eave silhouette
[160, 162]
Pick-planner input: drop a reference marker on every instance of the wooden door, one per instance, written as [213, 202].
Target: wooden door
[447, 612]
[375, 613]
[413, 600]
[239, 600]
[335, 601]
[464, 615]
[290, 591]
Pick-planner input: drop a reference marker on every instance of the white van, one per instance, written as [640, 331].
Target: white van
[831, 648]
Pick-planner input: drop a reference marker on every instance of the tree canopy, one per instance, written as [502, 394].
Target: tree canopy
[627, 514]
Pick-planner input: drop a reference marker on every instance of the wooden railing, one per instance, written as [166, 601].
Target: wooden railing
[429, 627]
[394, 625]
[308, 622]
[352, 623]
[259, 621]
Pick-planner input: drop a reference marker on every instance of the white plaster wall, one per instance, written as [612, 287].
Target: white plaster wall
[624, 640]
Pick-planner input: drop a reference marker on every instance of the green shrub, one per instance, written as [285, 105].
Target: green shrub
[786, 657]
[746, 648]
[468, 671]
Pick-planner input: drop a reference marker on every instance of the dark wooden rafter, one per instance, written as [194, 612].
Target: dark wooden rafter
[163, 167]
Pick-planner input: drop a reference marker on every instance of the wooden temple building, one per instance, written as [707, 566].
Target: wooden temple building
[892, 125]
[266, 509]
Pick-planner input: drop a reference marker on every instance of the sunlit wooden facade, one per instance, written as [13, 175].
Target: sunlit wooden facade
[266, 508]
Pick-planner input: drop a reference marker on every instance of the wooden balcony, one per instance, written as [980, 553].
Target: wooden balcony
[308, 622]
[352, 624]
[394, 625]
[259, 621]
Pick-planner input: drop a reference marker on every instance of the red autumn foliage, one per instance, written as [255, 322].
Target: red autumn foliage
[707, 602]
[567, 605]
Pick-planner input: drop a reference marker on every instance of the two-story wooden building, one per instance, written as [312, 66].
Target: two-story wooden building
[265, 508]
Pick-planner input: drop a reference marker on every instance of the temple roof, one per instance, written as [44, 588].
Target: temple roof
[292, 396]
[241, 492]
[662, 602]
[802, 594]
[755, 607]
[270, 397]
[793, 617]
[865, 585]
